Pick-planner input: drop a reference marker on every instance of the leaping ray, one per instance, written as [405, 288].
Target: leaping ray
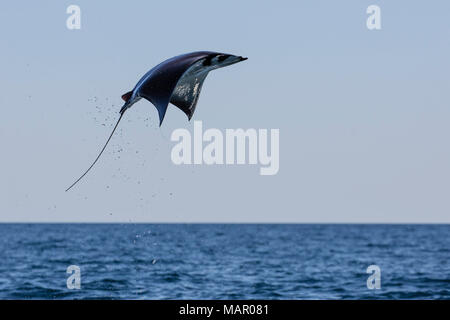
[177, 80]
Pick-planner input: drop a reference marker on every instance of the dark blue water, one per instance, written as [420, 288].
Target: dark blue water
[192, 261]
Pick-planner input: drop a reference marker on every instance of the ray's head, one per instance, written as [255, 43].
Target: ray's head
[220, 60]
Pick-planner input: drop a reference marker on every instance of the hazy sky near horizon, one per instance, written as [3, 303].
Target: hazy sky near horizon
[363, 115]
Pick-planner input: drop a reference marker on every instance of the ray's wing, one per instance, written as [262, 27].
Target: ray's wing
[158, 84]
[187, 91]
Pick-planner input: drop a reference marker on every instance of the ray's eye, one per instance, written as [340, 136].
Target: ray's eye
[222, 57]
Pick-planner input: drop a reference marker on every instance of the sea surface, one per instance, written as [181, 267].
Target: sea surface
[224, 261]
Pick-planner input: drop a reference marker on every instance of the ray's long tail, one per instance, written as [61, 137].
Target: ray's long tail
[103, 149]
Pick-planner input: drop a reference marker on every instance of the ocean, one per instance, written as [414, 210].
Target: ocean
[224, 261]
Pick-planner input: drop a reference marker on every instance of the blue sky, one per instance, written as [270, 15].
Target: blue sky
[363, 115]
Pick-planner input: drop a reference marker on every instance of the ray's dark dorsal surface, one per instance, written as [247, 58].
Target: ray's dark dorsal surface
[177, 80]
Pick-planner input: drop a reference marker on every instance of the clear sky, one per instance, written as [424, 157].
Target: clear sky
[363, 115]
